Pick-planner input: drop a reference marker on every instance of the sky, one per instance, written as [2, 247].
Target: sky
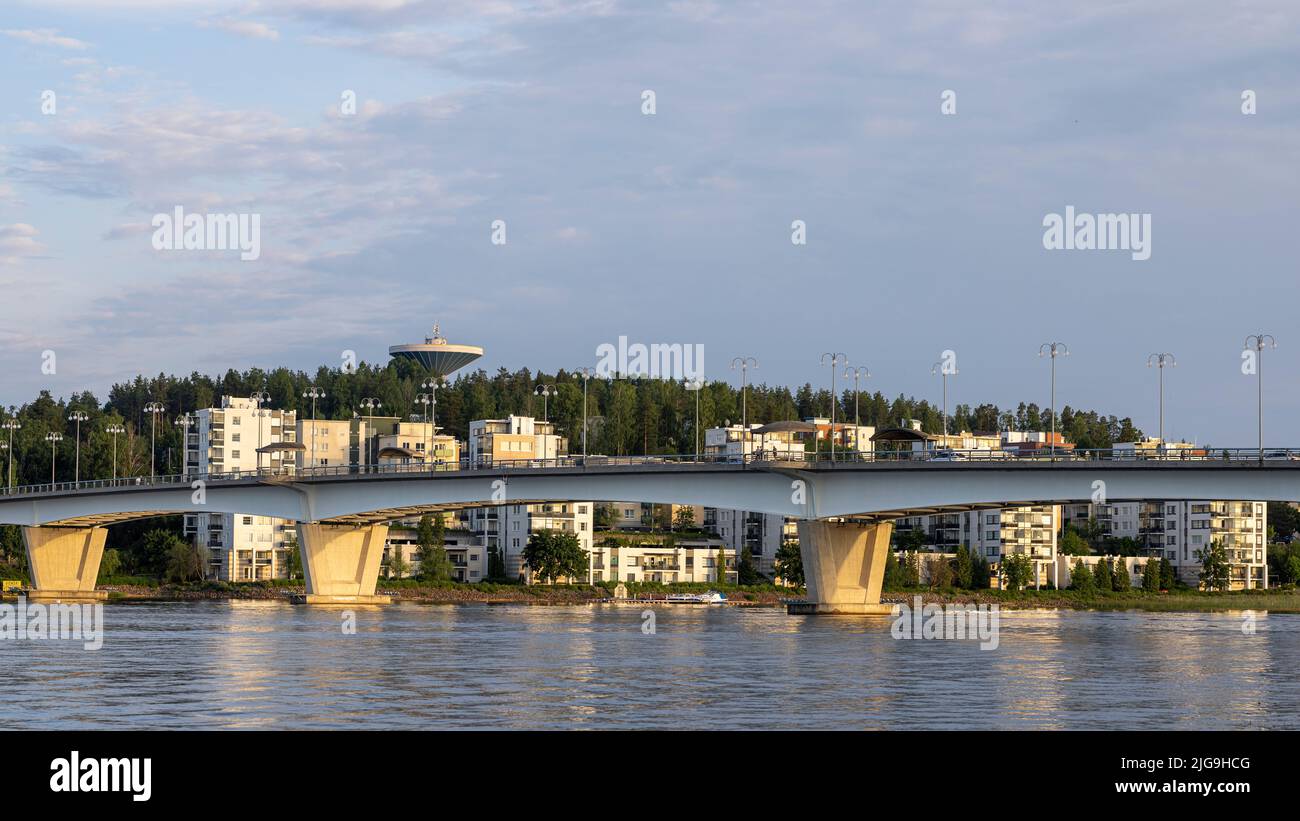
[924, 229]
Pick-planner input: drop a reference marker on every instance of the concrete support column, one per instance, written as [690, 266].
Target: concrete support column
[341, 563]
[844, 567]
[64, 562]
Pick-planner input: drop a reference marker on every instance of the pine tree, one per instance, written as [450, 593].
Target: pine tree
[963, 568]
[1121, 582]
[1151, 576]
[1081, 578]
[1168, 579]
[1101, 576]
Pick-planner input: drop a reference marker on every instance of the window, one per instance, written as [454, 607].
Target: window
[248, 520]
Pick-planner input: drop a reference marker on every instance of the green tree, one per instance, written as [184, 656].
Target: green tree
[910, 570]
[789, 563]
[1121, 582]
[941, 575]
[397, 565]
[1168, 579]
[893, 577]
[110, 565]
[684, 518]
[963, 568]
[1101, 575]
[1215, 574]
[1151, 576]
[721, 567]
[552, 555]
[1017, 571]
[981, 576]
[746, 573]
[435, 566]
[1081, 578]
[183, 562]
[1073, 544]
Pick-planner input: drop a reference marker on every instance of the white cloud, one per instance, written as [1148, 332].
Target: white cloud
[17, 241]
[45, 37]
[243, 28]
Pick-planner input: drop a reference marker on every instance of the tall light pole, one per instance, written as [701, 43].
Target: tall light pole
[425, 399]
[54, 439]
[153, 409]
[941, 367]
[1055, 349]
[259, 398]
[1259, 342]
[77, 417]
[1160, 360]
[586, 376]
[371, 404]
[431, 385]
[744, 363]
[114, 431]
[836, 359]
[546, 392]
[860, 372]
[11, 424]
[313, 393]
[695, 388]
[182, 424]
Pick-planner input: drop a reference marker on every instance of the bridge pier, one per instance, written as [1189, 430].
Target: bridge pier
[64, 562]
[844, 567]
[341, 563]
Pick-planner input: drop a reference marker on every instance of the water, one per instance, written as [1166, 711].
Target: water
[271, 665]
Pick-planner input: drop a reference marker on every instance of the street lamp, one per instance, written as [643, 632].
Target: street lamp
[744, 363]
[1054, 349]
[546, 392]
[942, 368]
[313, 393]
[431, 385]
[12, 424]
[182, 424]
[586, 376]
[1258, 342]
[54, 439]
[153, 408]
[114, 431]
[836, 359]
[425, 399]
[77, 417]
[259, 398]
[371, 404]
[860, 372]
[1160, 360]
[695, 388]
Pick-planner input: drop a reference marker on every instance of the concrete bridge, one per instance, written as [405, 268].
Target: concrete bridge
[846, 508]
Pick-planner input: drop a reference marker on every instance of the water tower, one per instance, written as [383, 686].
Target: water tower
[437, 355]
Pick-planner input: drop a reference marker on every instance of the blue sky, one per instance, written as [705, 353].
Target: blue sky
[924, 230]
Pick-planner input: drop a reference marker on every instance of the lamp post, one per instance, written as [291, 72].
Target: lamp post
[425, 399]
[1258, 342]
[744, 363]
[586, 376]
[259, 398]
[11, 424]
[1054, 349]
[695, 387]
[182, 424]
[54, 439]
[546, 392]
[431, 385]
[941, 368]
[836, 359]
[371, 404]
[153, 409]
[77, 417]
[313, 393]
[1160, 360]
[114, 431]
[860, 372]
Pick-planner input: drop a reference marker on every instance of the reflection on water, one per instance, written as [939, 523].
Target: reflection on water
[272, 665]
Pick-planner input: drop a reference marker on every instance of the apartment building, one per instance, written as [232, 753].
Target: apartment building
[1029, 530]
[735, 442]
[239, 437]
[333, 442]
[416, 443]
[648, 516]
[505, 529]
[514, 438]
[762, 534]
[656, 560]
[465, 550]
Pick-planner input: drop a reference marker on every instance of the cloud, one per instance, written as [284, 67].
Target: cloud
[243, 28]
[45, 37]
[17, 241]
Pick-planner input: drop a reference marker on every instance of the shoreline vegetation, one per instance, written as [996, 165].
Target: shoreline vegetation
[1275, 600]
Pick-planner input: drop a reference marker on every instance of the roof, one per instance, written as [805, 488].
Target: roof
[787, 427]
[903, 435]
[277, 447]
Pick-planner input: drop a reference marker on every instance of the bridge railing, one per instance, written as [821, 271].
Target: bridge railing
[764, 458]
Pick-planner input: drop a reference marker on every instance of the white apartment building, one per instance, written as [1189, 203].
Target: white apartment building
[506, 528]
[226, 440]
[512, 439]
[417, 442]
[686, 560]
[995, 534]
[468, 555]
[762, 534]
[647, 516]
[735, 442]
[332, 442]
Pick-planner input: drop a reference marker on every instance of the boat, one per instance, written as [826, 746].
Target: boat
[711, 597]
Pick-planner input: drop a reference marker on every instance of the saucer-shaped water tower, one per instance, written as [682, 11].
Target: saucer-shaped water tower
[437, 355]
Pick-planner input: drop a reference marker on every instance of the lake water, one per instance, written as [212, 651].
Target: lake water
[271, 665]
